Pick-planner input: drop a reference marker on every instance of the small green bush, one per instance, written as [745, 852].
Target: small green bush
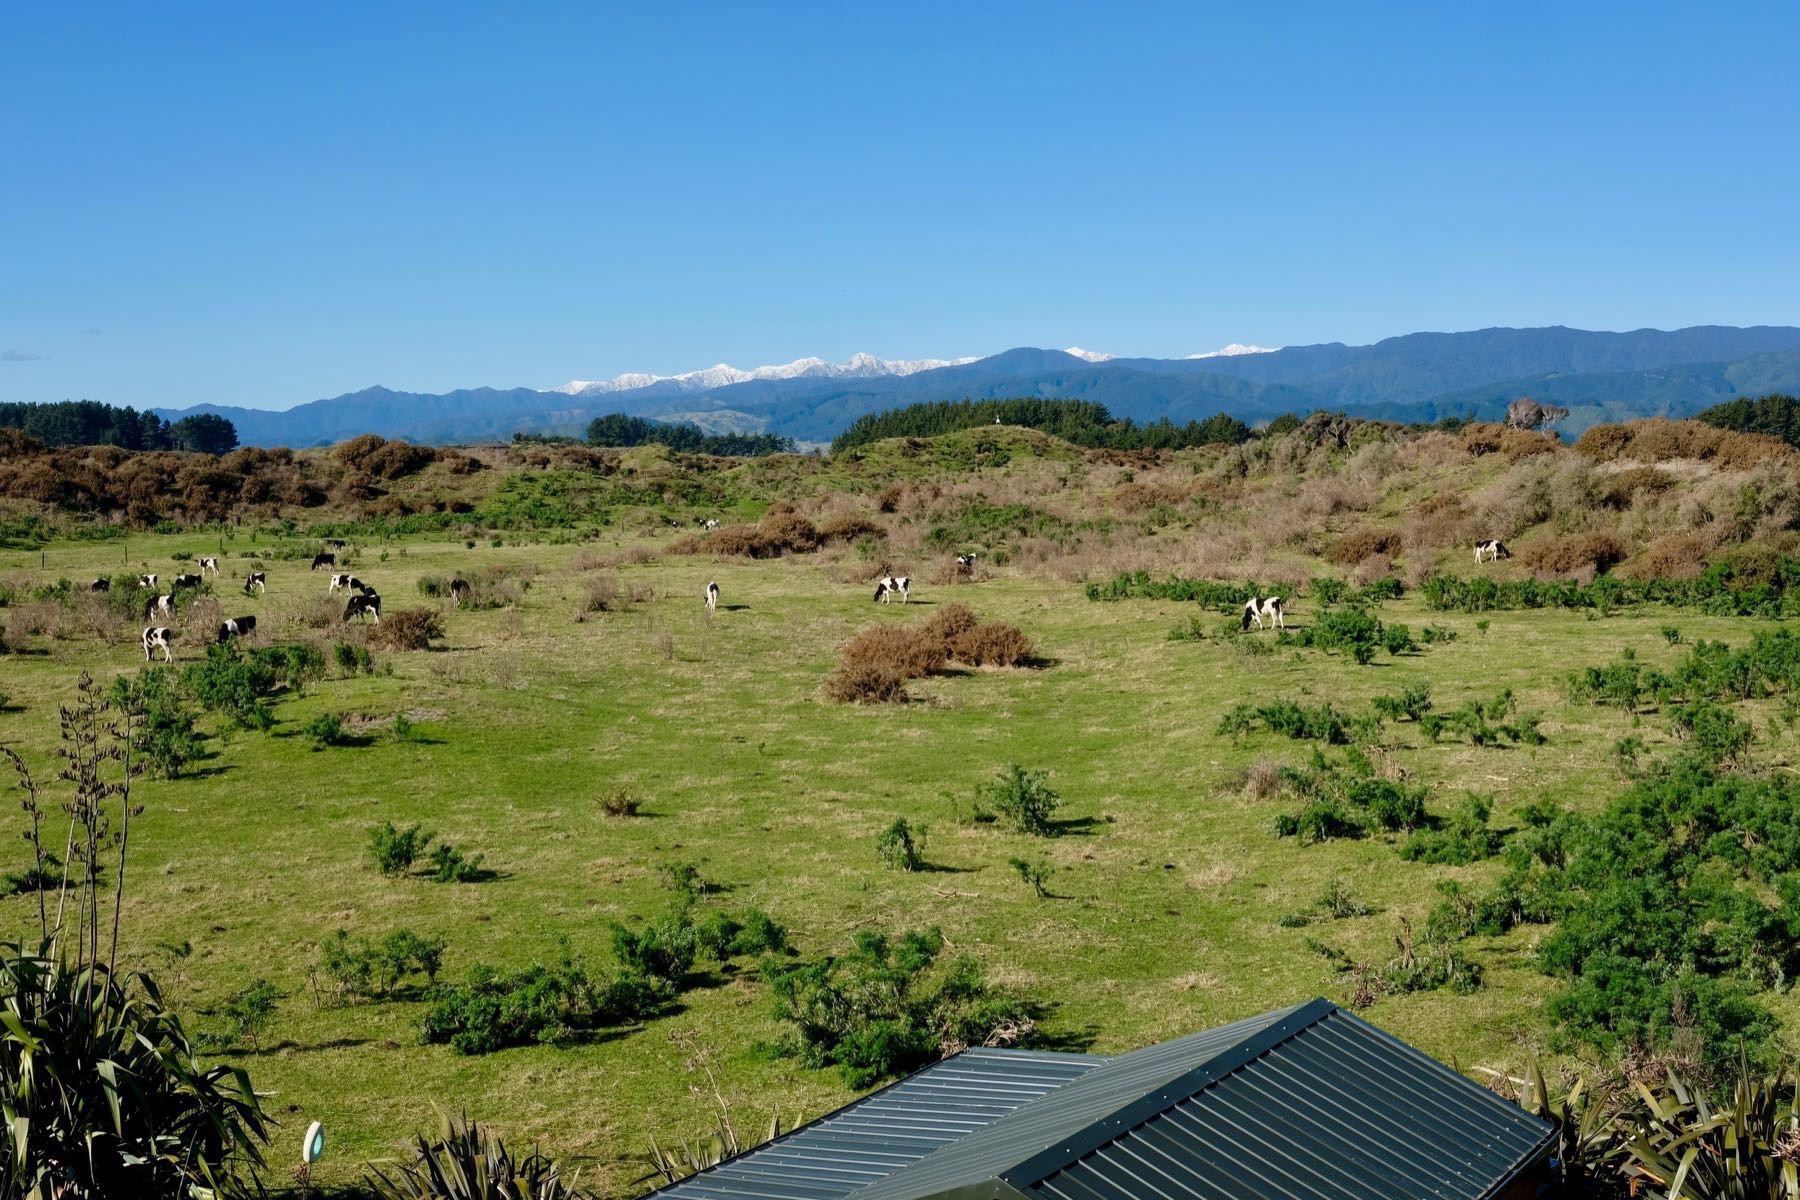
[325, 729]
[396, 850]
[1035, 872]
[1022, 798]
[901, 845]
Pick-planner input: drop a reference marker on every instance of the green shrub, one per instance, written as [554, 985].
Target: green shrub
[1413, 702]
[1035, 872]
[325, 729]
[902, 846]
[1022, 798]
[1462, 838]
[234, 685]
[661, 950]
[889, 1006]
[352, 659]
[396, 850]
[246, 1014]
[450, 865]
[365, 969]
[492, 1010]
[163, 727]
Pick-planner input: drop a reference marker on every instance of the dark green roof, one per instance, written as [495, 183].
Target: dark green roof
[1308, 1102]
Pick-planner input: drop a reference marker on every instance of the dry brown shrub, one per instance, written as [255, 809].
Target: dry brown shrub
[1514, 444]
[1262, 779]
[1620, 490]
[1574, 554]
[866, 683]
[1603, 443]
[602, 594]
[847, 528]
[1140, 497]
[888, 499]
[1359, 544]
[407, 629]
[950, 622]
[994, 644]
[1367, 571]
[910, 651]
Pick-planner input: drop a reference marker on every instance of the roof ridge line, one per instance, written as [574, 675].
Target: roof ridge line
[1133, 1113]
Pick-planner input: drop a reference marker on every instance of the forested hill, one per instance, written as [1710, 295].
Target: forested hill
[1777, 415]
[1079, 421]
[89, 423]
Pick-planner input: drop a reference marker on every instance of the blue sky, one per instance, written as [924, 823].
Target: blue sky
[264, 204]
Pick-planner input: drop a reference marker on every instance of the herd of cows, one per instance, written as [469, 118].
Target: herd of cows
[364, 600]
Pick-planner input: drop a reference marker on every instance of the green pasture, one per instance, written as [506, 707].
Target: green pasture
[1169, 885]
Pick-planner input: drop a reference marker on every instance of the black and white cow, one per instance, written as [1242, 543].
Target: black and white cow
[710, 523]
[965, 563]
[1269, 609]
[712, 597]
[1492, 550]
[257, 581]
[146, 581]
[333, 543]
[236, 627]
[102, 584]
[364, 604]
[187, 581]
[346, 581]
[209, 564]
[324, 560]
[158, 637]
[160, 606]
[459, 592]
[886, 589]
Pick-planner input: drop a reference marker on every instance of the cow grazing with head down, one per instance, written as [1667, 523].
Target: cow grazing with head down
[965, 563]
[209, 564]
[160, 606]
[256, 581]
[102, 584]
[712, 597]
[364, 604]
[346, 581]
[158, 637]
[324, 560]
[1269, 609]
[236, 627]
[187, 581]
[893, 585]
[1491, 550]
[146, 581]
[459, 592]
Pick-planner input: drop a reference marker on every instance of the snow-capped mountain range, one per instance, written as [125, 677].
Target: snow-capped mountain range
[1414, 377]
[857, 366]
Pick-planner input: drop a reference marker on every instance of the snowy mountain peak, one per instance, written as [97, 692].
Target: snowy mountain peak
[1093, 356]
[1235, 349]
[858, 366]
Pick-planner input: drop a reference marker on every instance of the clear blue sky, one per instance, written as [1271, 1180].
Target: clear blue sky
[264, 204]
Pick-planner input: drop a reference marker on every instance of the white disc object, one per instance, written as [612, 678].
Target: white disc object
[314, 1148]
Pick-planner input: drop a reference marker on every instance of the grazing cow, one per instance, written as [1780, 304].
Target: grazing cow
[459, 592]
[887, 589]
[1269, 609]
[146, 581]
[209, 564]
[102, 584]
[347, 581]
[710, 523]
[256, 581]
[324, 560]
[158, 637]
[236, 627]
[712, 596]
[1491, 550]
[333, 543]
[965, 563]
[187, 581]
[160, 606]
[364, 604]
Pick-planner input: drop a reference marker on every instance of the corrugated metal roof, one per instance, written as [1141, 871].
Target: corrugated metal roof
[873, 1137]
[1054, 1120]
[1304, 1103]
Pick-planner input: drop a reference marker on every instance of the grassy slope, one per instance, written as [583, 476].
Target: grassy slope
[1170, 920]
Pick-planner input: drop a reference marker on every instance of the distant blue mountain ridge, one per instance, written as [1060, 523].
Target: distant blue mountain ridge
[1417, 377]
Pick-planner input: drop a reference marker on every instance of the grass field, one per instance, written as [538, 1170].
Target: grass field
[1168, 891]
